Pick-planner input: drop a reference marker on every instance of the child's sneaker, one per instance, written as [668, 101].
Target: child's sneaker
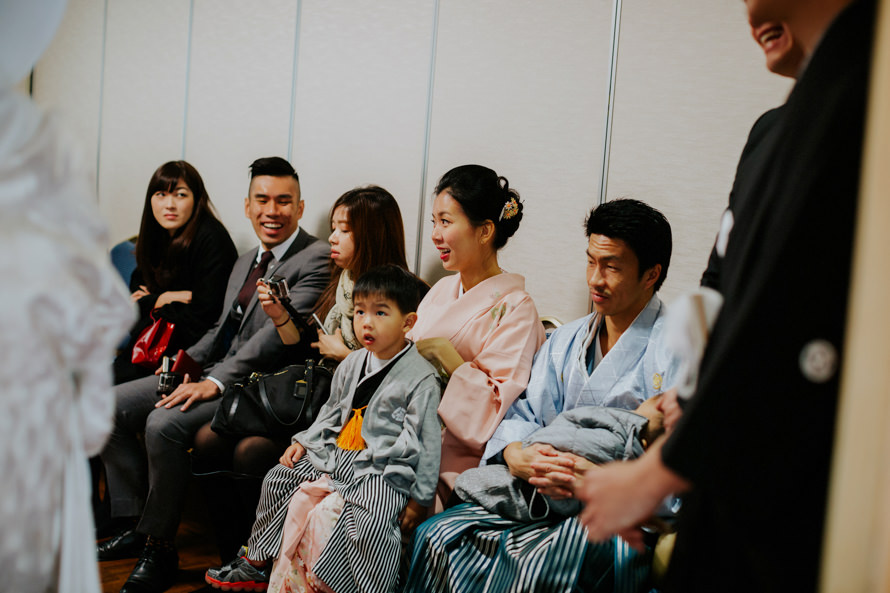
[238, 575]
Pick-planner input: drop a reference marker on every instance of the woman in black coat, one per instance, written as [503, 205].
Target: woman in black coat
[184, 256]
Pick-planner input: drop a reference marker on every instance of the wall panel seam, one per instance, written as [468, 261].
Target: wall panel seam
[188, 75]
[293, 90]
[418, 247]
[101, 95]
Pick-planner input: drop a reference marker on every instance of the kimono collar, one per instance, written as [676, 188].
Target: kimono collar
[626, 352]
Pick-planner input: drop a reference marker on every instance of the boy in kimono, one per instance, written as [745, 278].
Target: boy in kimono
[376, 443]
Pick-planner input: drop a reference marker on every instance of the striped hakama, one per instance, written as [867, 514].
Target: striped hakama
[469, 549]
[363, 551]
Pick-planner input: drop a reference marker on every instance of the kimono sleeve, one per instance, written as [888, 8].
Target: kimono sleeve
[542, 400]
[416, 472]
[481, 390]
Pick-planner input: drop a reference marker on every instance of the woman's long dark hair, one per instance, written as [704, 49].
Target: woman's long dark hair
[158, 255]
[378, 233]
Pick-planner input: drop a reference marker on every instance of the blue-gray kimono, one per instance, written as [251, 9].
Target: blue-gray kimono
[636, 368]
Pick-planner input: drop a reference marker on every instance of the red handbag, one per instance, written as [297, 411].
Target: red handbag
[152, 343]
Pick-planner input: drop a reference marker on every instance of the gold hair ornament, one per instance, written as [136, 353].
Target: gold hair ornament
[510, 209]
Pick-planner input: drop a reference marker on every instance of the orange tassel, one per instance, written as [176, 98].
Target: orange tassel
[350, 438]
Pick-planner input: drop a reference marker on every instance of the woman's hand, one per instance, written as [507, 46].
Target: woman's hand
[171, 296]
[142, 292]
[287, 329]
[270, 304]
[292, 455]
[332, 346]
[441, 351]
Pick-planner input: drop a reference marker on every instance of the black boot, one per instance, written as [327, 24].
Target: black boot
[156, 569]
[124, 543]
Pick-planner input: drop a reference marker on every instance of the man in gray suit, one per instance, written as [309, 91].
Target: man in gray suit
[242, 341]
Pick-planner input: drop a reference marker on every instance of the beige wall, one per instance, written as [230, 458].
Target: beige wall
[395, 92]
[857, 542]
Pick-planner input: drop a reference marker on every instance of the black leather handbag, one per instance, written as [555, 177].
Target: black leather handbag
[273, 405]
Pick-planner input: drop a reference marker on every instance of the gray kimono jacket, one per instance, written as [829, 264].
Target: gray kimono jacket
[401, 430]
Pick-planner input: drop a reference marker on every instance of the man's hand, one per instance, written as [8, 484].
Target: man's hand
[332, 346]
[559, 480]
[442, 351]
[521, 461]
[413, 515]
[618, 497]
[190, 393]
[292, 455]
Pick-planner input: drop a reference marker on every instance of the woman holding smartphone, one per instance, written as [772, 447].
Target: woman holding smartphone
[366, 231]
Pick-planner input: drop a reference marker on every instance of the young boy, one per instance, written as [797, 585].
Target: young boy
[378, 439]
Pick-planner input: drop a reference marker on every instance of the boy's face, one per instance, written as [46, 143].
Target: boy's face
[380, 326]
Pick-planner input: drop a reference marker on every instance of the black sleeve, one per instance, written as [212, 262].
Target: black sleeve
[210, 260]
[711, 276]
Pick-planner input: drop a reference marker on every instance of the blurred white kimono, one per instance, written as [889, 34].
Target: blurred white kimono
[62, 309]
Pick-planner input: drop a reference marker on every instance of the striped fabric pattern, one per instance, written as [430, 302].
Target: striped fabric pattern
[363, 552]
[365, 548]
[468, 549]
[279, 486]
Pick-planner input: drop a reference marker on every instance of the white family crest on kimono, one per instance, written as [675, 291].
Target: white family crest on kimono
[638, 367]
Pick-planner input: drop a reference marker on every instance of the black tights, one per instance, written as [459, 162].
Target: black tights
[231, 473]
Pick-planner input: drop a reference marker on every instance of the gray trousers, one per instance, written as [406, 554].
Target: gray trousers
[151, 483]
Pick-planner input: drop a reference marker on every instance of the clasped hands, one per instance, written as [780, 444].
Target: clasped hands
[552, 472]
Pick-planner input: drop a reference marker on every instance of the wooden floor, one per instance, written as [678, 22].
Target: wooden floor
[196, 547]
[197, 553]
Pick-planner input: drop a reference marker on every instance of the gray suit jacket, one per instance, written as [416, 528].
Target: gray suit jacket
[256, 345]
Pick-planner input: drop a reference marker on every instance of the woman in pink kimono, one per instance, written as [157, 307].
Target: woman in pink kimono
[478, 326]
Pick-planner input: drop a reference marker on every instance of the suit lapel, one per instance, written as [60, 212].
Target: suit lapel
[303, 239]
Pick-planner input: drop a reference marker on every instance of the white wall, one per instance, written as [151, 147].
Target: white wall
[691, 83]
[396, 92]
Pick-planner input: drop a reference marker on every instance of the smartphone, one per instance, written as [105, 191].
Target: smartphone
[320, 324]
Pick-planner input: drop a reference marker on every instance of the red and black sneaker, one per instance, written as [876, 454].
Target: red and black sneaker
[238, 575]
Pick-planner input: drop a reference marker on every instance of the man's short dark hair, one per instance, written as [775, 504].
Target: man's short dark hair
[642, 228]
[393, 283]
[274, 166]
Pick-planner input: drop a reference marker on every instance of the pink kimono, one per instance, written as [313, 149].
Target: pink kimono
[495, 328]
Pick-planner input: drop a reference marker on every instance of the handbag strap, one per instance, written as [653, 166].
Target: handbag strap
[264, 398]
